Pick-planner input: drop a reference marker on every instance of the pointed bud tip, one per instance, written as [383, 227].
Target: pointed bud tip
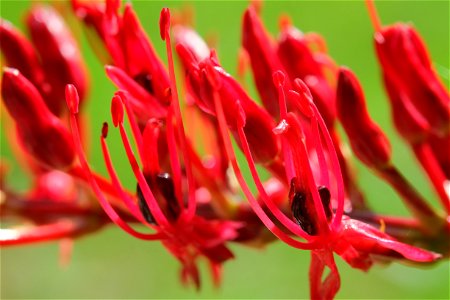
[117, 110]
[164, 23]
[72, 98]
[344, 73]
[105, 130]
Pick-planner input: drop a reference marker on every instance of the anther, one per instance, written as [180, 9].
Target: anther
[105, 130]
[166, 186]
[117, 110]
[325, 197]
[143, 207]
[72, 98]
[164, 23]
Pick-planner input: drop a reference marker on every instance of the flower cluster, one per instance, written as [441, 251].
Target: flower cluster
[188, 179]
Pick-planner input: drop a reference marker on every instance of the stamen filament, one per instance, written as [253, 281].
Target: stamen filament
[325, 178]
[150, 159]
[174, 158]
[116, 182]
[287, 155]
[177, 113]
[253, 202]
[335, 168]
[148, 195]
[288, 223]
[303, 168]
[109, 210]
[134, 126]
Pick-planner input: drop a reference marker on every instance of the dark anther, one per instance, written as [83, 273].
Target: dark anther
[167, 189]
[145, 80]
[325, 196]
[300, 211]
[145, 210]
[163, 188]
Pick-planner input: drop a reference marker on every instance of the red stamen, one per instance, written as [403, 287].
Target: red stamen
[174, 158]
[279, 80]
[150, 155]
[253, 202]
[109, 210]
[164, 23]
[115, 179]
[73, 98]
[303, 168]
[133, 123]
[116, 110]
[335, 168]
[325, 178]
[148, 195]
[165, 35]
[287, 222]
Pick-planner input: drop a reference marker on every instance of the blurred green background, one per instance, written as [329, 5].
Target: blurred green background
[111, 264]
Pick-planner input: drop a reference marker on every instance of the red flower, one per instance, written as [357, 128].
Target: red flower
[161, 202]
[185, 196]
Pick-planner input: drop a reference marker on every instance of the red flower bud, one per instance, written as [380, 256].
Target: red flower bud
[19, 53]
[263, 59]
[258, 123]
[42, 133]
[58, 50]
[142, 62]
[409, 122]
[368, 142]
[408, 69]
[301, 62]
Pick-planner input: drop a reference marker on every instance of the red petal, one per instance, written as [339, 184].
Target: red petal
[368, 239]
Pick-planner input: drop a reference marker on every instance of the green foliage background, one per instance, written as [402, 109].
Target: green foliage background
[111, 264]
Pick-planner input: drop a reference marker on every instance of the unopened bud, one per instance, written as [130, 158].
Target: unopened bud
[368, 142]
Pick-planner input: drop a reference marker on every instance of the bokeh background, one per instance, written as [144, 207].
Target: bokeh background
[111, 264]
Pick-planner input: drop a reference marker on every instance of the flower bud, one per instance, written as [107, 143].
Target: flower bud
[301, 62]
[368, 142]
[263, 59]
[60, 57]
[42, 134]
[408, 69]
[19, 53]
